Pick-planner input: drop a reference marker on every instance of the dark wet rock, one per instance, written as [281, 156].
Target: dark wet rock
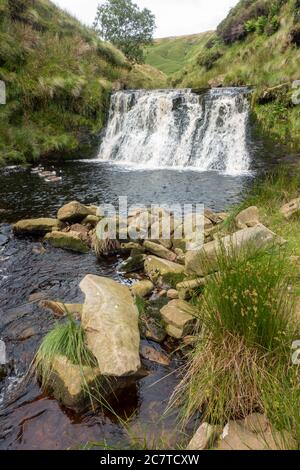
[133, 264]
[150, 320]
[154, 353]
[69, 384]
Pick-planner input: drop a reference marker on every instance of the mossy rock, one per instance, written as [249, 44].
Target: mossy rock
[67, 241]
[36, 226]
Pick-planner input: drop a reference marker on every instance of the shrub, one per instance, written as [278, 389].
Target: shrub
[249, 16]
[272, 26]
[213, 42]
[261, 23]
[208, 58]
[18, 7]
[250, 26]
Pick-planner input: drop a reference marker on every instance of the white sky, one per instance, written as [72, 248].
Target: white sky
[173, 17]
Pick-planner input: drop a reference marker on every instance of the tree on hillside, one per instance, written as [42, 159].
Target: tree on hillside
[126, 26]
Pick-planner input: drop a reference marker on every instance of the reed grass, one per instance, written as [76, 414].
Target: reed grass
[247, 328]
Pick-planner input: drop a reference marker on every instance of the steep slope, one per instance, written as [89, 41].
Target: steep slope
[58, 78]
[256, 45]
[171, 54]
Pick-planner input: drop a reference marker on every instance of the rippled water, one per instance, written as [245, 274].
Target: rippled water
[95, 182]
[30, 272]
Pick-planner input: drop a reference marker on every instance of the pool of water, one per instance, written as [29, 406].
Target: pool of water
[23, 194]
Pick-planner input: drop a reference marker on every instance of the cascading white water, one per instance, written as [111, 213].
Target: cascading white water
[179, 128]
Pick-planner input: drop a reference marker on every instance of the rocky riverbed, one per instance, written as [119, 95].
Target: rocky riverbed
[135, 317]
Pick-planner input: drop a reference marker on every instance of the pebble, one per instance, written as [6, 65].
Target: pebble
[172, 294]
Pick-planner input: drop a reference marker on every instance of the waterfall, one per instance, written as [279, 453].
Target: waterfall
[180, 129]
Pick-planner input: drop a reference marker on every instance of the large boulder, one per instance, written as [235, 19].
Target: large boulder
[247, 218]
[160, 251]
[75, 212]
[110, 322]
[157, 267]
[204, 261]
[291, 208]
[179, 317]
[37, 226]
[68, 241]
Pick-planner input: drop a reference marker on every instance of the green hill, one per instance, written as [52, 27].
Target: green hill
[171, 54]
[257, 45]
[58, 76]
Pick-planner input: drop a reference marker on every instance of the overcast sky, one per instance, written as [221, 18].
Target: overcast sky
[173, 17]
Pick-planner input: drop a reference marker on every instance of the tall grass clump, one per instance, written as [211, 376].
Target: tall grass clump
[247, 329]
[68, 340]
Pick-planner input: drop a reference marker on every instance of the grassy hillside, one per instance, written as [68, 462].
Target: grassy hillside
[58, 76]
[256, 45]
[171, 54]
